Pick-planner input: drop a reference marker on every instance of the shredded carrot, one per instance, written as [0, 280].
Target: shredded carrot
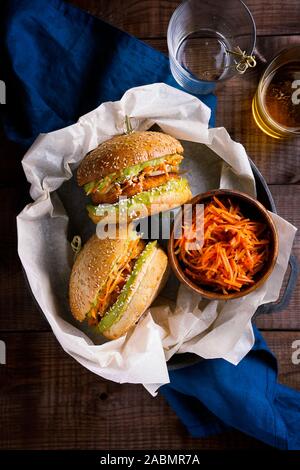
[116, 280]
[234, 248]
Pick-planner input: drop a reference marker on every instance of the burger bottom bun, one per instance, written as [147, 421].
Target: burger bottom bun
[147, 287]
[163, 202]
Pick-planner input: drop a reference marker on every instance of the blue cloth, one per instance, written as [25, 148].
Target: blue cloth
[59, 63]
[214, 395]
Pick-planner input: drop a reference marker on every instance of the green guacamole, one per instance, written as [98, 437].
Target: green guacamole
[146, 198]
[123, 175]
[117, 309]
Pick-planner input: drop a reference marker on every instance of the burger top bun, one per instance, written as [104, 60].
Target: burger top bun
[124, 151]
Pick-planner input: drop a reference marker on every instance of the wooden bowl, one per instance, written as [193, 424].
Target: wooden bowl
[251, 208]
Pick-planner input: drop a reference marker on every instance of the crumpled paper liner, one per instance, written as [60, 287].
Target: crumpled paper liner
[210, 329]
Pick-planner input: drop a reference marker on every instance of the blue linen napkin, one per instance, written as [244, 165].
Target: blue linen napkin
[214, 395]
[59, 63]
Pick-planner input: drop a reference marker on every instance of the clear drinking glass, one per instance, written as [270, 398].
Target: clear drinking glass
[200, 35]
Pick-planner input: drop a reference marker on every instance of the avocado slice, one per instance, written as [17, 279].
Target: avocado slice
[146, 198]
[125, 174]
[117, 309]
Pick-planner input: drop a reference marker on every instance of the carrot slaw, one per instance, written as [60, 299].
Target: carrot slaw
[234, 248]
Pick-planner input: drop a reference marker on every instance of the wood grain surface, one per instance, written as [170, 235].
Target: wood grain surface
[47, 400]
[46, 393]
[149, 18]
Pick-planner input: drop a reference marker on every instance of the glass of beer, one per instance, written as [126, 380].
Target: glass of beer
[276, 104]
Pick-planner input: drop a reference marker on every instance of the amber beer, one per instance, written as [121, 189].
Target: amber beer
[276, 105]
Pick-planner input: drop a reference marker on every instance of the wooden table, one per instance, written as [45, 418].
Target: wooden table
[49, 401]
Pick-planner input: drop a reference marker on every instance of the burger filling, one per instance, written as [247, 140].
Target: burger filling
[116, 281]
[134, 180]
[130, 206]
[117, 309]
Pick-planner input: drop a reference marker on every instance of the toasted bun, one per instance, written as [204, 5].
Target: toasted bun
[91, 269]
[124, 151]
[147, 288]
[163, 202]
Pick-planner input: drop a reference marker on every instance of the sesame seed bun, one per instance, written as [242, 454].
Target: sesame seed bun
[124, 151]
[146, 288]
[91, 270]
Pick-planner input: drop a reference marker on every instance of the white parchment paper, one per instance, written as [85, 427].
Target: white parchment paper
[180, 321]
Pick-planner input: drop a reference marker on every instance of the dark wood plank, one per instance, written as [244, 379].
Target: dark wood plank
[287, 201]
[149, 18]
[18, 309]
[47, 400]
[11, 172]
